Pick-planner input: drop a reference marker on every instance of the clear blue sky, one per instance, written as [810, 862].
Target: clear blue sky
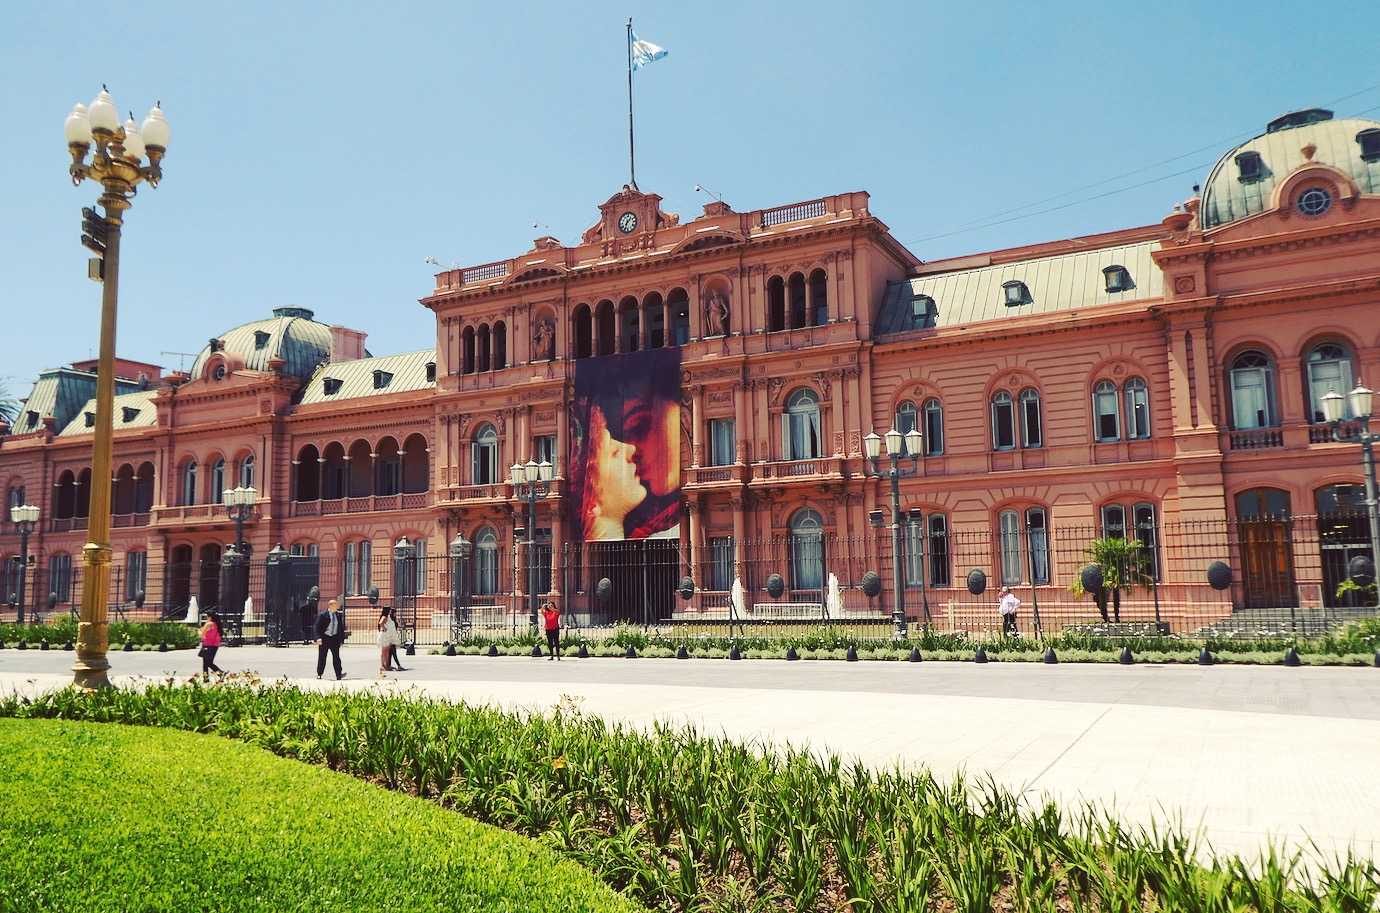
[317, 157]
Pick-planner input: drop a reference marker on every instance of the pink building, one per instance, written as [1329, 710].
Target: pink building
[1161, 382]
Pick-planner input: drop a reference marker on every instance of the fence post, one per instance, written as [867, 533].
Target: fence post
[276, 595]
[461, 621]
[404, 591]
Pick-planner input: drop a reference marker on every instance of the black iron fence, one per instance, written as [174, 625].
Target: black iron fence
[1265, 577]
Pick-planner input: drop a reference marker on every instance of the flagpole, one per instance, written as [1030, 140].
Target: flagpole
[632, 157]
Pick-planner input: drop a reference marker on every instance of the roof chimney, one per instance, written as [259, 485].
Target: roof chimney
[346, 344]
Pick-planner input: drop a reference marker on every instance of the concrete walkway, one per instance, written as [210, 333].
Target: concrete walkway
[1247, 754]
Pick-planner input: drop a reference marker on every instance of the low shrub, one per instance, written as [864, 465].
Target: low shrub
[684, 822]
[60, 630]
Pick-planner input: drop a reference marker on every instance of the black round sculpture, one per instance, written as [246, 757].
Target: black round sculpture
[871, 584]
[139, 599]
[686, 588]
[603, 589]
[1361, 570]
[775, 586]
[373, 595]
[1091, 578]
[52, 601]
[977, 581]
[1219, 575]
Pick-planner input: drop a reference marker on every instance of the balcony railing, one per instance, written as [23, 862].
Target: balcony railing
[797, 469]
[795, 212]
[66, 524]
[1256, 439]
[1322, 433]
[484, 272]
[710, 475]
[331, 506]
[125, 521]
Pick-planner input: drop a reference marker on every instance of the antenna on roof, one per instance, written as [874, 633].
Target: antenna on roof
[182, 357]
[437, 263]
[700, 188]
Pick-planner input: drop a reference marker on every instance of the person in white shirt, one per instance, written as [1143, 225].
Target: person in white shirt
[1007, 605]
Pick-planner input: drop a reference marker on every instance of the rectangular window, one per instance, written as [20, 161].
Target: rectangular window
[390, 477]
[485, 466]
[721, 442]
[544, 450]
[1104, 405]
[486, 570]
[939, 550]
[915, 553]
[1250, 398]
[720, 563]
[419, 587]
[136, 574]
[1148, 534]
[1038, 532]
[542, 550]
[1032, 430]
[1113, 521]
[934, 429]
[351, 562]
[807, 561]
[366, 569]
[1003, 424]
[60, 577]
[1010, 542]
[802, 435]
[1137, 412]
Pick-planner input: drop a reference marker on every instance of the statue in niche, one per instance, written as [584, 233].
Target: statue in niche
[716, 314]
[544, 340]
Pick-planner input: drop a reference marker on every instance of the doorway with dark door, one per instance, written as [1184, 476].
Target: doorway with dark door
[1264, 534]
[1343, 534]
[208, 590]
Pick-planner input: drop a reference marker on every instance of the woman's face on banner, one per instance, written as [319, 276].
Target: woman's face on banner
[653, 426]
[617, 489]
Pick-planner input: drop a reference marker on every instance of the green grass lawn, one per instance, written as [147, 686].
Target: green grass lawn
[107, 817]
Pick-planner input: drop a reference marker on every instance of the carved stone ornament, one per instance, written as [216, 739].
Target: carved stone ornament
[774, 387]
[716, 313]
[544, 340]
[1184, 284]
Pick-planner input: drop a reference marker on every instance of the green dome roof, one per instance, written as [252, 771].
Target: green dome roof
[291, 334]
[1232, 193]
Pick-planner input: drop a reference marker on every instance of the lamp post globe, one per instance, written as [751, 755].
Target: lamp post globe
[1333, 405]
[872, 445]
[1362, 397]
[914, 442]
[894, 440]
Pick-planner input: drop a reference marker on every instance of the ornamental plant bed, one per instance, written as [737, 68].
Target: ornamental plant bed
[63, 629]
[683, 823]
[160, 820]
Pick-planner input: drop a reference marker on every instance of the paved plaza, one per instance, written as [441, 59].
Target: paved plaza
[1246, 753]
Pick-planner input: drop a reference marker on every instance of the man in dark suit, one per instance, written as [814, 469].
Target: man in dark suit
[330, 629]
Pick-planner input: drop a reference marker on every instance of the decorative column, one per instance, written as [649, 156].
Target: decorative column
[697, 425]
[557, 540]
[692, 509]
[320, 481]
[739, 561]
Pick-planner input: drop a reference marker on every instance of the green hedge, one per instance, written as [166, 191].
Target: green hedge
[64, 630]
[157, 820]
[683, 822]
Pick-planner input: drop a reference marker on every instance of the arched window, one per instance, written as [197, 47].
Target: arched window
[66, 499]
[1106, 416]
[216, 483]
[654, 320]
[415, 465]
[800, 426]
[795, 300]
[388, 468]
[481, 344]
[485, 562]
[335, 479]
[247, 471]
[500, 346]
[1032, 426]
[819, 298]
[308, 474]
[629, 326]
[467, 351]
[934, 427]
[607, 329]
[14, 497]
[188, 484]
[84, 493]
[807, 550]
[1262, 504]
[358, 573]
[305, 550]
[1024, 552]
[122, 492]
[60, 576]
[359, 465]
[1252, 391]
[143, 489]
[584, 332]
[939, 550]
[1003, 421]
[484, 461]
[1137, 409]
[679, 302]
[1329, 371]
[905, 420]
[776, 304]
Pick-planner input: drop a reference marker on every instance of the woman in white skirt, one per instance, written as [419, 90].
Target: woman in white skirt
[388, 638]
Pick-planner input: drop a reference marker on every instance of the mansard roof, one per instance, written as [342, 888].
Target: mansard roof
[132, 410]
[356, 379]
[291, 334]
[58, 394]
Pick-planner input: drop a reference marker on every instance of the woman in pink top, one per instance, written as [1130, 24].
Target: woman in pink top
[210, 643]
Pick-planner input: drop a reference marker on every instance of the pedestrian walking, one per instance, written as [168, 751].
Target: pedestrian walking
[551, 616]
[388, 640]
[1007, 605]
[330, 628]
[211, 637]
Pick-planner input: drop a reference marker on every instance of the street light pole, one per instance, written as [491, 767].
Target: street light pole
[530, 482]
[1362, 401]
[239, 504]
[116, 167]
[25, 516]
[912, 441]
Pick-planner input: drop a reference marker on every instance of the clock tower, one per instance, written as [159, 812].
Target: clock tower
[628, 220]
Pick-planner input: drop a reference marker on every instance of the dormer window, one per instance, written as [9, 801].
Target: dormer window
[381, 378]
[218, 373]
[90, 419]
[1117, 279]
[1015, 293]
[1369, 141]
[431, 372]
[1250, 167]
[924, 313]
[129, 414]
[261, 339]
[31, 419]
[331, 385]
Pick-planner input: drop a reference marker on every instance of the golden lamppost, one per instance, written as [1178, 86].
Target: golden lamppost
[116, 166]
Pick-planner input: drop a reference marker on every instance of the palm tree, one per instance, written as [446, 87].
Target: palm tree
[9, 406]
[1124, 565]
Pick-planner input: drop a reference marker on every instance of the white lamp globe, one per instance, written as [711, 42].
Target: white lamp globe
[156, 131]
[78, 126]
[1361, 399]
[1332, 403]
[134, 142]
[102, 113]
[893, 442]
[872, 445]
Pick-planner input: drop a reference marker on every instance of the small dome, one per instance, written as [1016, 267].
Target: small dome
[1241, 182]
[291, 334]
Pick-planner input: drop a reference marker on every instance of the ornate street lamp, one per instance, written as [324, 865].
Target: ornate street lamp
[912, 441]
[531, 482]
[1362, 400]
[117, 165]
[239, 506]
[24, 516]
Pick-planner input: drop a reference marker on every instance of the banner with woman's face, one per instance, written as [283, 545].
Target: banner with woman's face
[625, 446]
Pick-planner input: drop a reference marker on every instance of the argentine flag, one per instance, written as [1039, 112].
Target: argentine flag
[644, 52]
